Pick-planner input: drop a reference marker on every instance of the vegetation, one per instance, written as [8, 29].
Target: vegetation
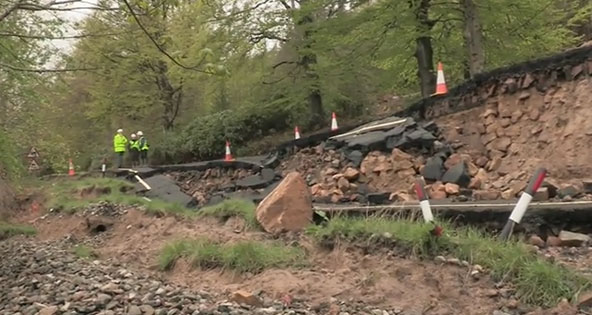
[83, 251]
[72, 195]
[244, 256]
[232, 208]
[9, 229]
[537, 281]
[193, 74]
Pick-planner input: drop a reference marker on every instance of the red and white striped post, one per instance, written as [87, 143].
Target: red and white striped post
[424, 204]
[520, 209]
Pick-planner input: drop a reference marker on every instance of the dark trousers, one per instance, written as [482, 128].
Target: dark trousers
[144, 157]
[119, 161]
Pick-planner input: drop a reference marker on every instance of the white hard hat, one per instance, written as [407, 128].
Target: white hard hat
[119, 130]
[140, 133]
[133, 135]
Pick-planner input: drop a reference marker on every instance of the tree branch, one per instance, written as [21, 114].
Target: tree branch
[10, 10]
[162, 50]
[42, 37]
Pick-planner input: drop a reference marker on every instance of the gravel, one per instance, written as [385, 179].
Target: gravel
[46, 278]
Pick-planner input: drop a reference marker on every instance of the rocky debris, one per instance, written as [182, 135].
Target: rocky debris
[568, 191]
[47, 279]
[261, 180]
[553, 241]
[585, 300]
[288, 207]
[104, 208]
[573, 239]
[541, 194]
[458, 174]
[536, 241]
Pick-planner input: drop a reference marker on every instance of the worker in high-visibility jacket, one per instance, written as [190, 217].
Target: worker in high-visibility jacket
[119, 146]
[134, 150]
[143, 142]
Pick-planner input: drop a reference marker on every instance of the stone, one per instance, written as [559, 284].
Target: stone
[49, 310]
[508, 194]
[288, 207]
[585, 300]
[572, 239]
[378, 198]
[536, 241]
[458, 175]
[438, 195]
[110, 288]
[246, 298]
[475, 183]
[134, 310]
[494, 164]
[523, 96]
[330, 171]
[343, 184]
[553, 241]
[486, 194]
[351, 174]
[541, 194]
[103, 299]
[534, 114]
[481, 161]
[563, 308]
[355, 157]
[516, 115]
[568, 191]
[587, 184]
[434, 168]
[401, 196]
[505, 122]
[551, 185]
[527, 82]
[502, 144]
[452, 189]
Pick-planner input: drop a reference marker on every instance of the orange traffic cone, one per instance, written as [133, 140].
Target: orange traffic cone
[334, 122]
[228, 156]
[440, 82]
[71, 171]
[296, 133]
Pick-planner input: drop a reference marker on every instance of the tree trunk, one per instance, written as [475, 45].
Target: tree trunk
[473, 38]
[423, 52]
[308, 61]
[170, 97]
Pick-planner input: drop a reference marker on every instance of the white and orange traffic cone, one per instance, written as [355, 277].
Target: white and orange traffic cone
[334, 122]
[228, 156]
[441, 88]
[296, 133]
[71, 171]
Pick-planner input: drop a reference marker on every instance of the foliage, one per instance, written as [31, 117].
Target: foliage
[232, 208]
[10, 229]
[83, 251]
[537, 281]
[192, 74]
[244, 256]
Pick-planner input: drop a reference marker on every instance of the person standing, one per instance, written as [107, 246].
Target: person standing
[143, 143]
[134, 147]
[119, 145]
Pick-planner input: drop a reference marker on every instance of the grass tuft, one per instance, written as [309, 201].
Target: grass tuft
[246, 256]
[8, 230]
[83, 251]
[537, 281]
[232, 208]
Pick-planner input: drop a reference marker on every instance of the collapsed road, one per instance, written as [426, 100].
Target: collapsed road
[483, 143]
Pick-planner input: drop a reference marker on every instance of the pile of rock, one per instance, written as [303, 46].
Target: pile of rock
[46, 279]
[104, 208]
[202, 185]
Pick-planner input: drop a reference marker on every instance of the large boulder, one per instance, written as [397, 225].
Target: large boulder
[288, 207]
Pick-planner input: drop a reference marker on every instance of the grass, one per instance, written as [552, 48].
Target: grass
[65, 196]
[537, 281]
[245, 256]
[232, 208]
[8, 230]
[83, 251]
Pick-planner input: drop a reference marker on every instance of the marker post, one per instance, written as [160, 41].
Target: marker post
[520, 209]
